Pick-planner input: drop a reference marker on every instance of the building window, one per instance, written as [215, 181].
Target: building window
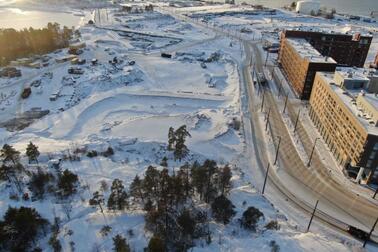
[369, 163]
[375, 147]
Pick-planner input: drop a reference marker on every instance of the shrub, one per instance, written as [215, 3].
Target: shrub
[109, 152]
[272, 225]
[92, 154]
[250, 218]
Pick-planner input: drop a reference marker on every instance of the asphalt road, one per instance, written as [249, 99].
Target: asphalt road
[342, 204]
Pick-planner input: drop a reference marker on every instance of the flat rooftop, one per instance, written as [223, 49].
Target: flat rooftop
[307, 51]
[331, 32]
[349, 98]
[349, 73]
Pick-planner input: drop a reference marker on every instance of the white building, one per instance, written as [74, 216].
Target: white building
[308, 7]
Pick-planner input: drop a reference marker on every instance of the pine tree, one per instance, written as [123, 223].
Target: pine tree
[19, 229]
[120, 244]
[181, 150]
[8, 153]
[156, 244]
[118, 197]
[97, 200]
[67, 183]
[223, 209]
[210, 168]
[184, 175]
[39, 182]
[32, 152]
[224, 179]
[136, 188]
[171, 138]
[151, 182]
[199, 178]
[164, 162]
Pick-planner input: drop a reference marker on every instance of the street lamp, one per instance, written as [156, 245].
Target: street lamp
[312, 152]
[278, 147]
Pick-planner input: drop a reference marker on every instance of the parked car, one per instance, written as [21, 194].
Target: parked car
[358, 233]
[10, 72]
[26, 93]
[166, 55]
[75, 70]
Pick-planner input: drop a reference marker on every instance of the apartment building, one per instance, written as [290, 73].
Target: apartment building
[300, 62]
[346, 115]
[345, 49]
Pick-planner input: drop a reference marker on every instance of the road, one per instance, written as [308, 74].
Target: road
[338, 202]
[298, 184]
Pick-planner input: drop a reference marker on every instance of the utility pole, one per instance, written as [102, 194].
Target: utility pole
[266, 177]
[375, 194]
[296, 121]
[262, 103]
[312, 152]
[267, 121]
[312, 216]
[371, 231]
[279, 90]
[278, 147]
[267, 56]
[287, 97]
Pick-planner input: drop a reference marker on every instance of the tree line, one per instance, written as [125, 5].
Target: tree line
[23, 43]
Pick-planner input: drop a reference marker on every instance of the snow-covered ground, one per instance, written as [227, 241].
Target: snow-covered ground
[130, 107]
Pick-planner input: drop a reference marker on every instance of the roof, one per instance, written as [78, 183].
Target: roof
[306, 50]
[349, 73]
[349, 97]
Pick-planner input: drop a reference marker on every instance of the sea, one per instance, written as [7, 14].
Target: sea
[19, 19]
[354, 7]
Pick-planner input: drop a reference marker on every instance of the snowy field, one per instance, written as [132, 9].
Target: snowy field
[130, 105]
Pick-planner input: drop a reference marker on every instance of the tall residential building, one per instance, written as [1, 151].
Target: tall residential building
[346, 49]
[346, 115]
[300, 62]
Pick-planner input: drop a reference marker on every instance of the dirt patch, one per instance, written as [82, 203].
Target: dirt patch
[24, 120]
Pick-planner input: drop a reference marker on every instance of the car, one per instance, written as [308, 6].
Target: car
[358, 233]
[75, 70]
[261, 79]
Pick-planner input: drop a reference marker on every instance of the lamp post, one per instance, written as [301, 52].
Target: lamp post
[278, 147]
[266, 177]
[312, 152]
[296, 121]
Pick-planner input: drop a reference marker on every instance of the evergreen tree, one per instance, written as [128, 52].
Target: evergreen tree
[164, 162]
[250, 218]
[151, 182]
[20, 228]
[120, 244]
[39, 182]
[32, 152]
[199, 178]
[224, 179]
[164, 194]
[118, 197]
[184, 175]
[187, 223]
[136, 188]
[210, 168]
[8, 153]
[171, 138]
[156, 244]
[181, 150]
[223, 209]
[97, 200]
[67, 183]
